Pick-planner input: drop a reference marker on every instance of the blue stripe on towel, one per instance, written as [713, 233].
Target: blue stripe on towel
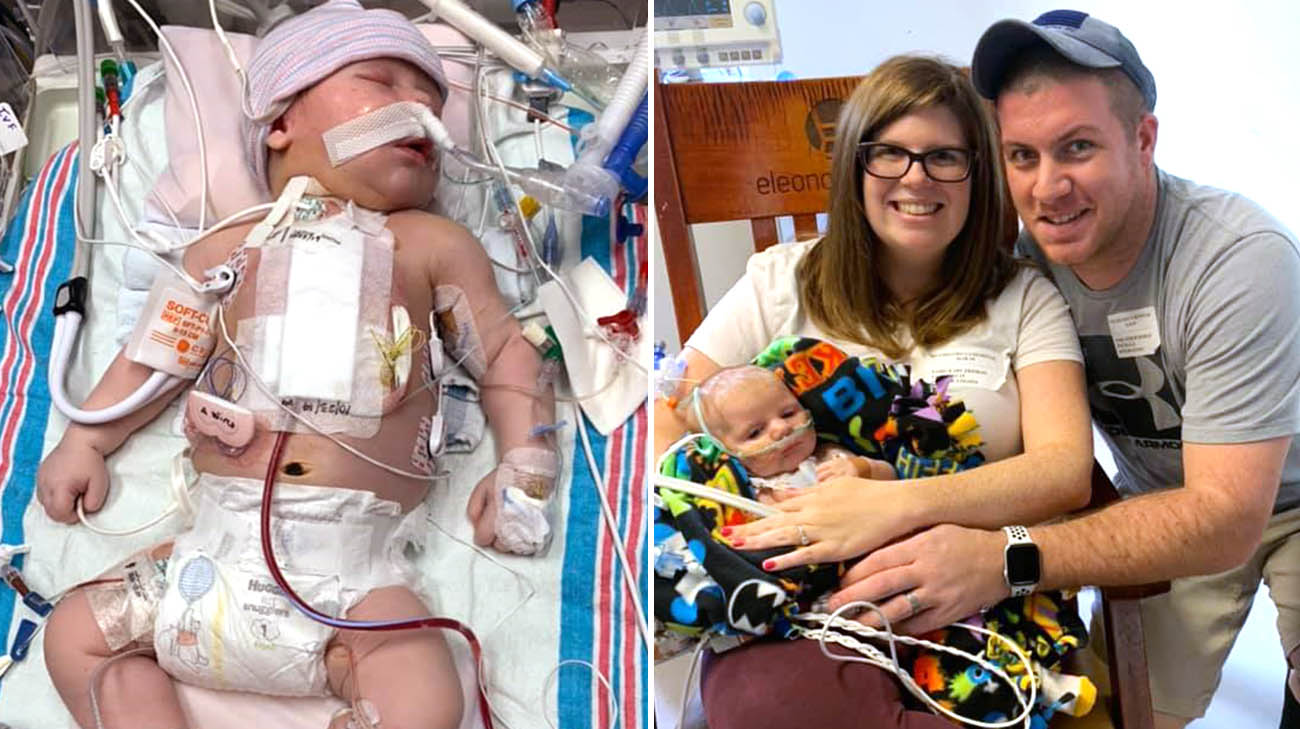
[577, 586]
[18, 483]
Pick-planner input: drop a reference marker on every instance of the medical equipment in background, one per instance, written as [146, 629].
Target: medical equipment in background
[17, 54]
[621, 127]
[591, 76]
[588, 186]
[706, 33]
[519, 55]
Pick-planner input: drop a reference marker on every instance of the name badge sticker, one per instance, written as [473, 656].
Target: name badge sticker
[1136, 333]
[969, 367]
[12, 137]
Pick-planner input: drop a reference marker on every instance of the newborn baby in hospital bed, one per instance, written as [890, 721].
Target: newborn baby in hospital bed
[317, 376]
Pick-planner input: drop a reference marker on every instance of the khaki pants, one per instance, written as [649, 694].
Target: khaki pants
[1190, 629]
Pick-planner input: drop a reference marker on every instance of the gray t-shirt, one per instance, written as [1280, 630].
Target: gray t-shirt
[1201, 340]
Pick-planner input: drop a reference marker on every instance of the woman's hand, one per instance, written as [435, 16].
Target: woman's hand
[832, 521]
[933, 578]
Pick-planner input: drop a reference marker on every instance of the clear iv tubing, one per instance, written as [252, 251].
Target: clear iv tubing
[573, 299]
[194, 109]
[514, 52]
[268, 552]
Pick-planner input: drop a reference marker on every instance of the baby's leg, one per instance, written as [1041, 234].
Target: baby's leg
[133, 692]
[408, 675]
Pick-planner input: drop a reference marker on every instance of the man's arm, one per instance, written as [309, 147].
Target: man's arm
[1211, 524]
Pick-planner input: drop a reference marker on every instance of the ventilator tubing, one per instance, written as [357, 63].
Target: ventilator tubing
[518, 54]
[407, 119]
[588, 179]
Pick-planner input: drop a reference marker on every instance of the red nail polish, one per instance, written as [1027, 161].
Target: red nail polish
[769, 565]
[737, 542]
[726, 531]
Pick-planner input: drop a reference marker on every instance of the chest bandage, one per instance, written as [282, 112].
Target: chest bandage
[321, 311]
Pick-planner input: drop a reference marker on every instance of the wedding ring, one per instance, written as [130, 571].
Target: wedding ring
[803, 536]
[914, 602]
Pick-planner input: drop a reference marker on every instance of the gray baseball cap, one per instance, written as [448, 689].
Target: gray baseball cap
[1079, 37]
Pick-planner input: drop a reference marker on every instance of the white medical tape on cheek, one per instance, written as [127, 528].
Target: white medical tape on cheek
[387, 124]
[455, 323]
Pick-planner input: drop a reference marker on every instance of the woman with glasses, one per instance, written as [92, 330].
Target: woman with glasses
[915, 268]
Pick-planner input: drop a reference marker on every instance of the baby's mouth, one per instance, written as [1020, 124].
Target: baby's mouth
[419, 145]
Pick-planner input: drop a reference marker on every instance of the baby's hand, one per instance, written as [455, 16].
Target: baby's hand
[836, 468]
[857, 467]
[72, 470]
[508, 506]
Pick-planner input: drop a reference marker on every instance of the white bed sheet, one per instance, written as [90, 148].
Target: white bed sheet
[520, 642]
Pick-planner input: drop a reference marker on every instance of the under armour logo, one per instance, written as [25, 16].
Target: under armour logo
[1129, 396]
[1150, 382]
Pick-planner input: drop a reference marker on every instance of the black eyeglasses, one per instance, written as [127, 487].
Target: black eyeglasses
[891, 162]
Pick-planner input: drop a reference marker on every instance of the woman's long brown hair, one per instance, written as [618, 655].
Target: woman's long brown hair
[840, 283]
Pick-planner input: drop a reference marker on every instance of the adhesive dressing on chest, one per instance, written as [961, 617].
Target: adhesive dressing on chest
[321, 315]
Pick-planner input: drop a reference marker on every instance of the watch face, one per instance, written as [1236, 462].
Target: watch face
[1022, 564]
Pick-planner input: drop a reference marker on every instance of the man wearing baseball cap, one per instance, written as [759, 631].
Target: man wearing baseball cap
[1186, 300]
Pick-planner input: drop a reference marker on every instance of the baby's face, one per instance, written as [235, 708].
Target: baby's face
[759, 415]
[396, 176]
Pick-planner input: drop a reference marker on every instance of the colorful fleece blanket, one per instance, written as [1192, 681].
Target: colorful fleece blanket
[705, 588]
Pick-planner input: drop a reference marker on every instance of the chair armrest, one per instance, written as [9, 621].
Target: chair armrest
[1122, 620]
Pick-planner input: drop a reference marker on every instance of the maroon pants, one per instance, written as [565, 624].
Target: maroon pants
[785, 684]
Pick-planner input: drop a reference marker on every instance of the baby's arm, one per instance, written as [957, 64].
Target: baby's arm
[508, 505]
[75, 468]
[838, 463]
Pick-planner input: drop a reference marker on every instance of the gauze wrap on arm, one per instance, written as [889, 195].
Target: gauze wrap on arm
[524, 482]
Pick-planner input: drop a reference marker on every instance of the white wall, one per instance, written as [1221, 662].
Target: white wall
[1227, 76]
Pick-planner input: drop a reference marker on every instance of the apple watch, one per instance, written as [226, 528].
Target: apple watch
[1021, 567]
